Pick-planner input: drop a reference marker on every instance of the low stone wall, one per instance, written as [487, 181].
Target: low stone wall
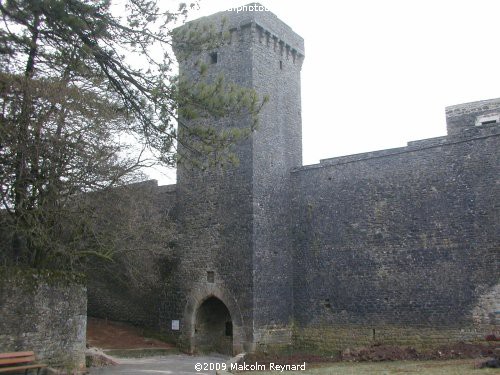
[45, 312]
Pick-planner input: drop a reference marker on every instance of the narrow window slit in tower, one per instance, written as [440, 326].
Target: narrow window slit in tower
[281, 65]
[213, 58]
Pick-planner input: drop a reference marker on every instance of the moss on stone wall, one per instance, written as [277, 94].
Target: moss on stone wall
[331, 339]
[30, 277]
[45, 312]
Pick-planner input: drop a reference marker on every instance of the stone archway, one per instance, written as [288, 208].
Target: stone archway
[213, 329]
[242, 334]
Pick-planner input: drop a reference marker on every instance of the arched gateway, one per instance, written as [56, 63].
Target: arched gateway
[213, 322]
[213, 329]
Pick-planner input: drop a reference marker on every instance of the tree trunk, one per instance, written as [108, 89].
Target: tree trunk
[20, 241]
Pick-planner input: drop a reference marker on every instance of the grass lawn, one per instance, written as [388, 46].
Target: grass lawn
[455, 367]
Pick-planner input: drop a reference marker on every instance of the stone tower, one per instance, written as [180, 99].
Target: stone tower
[233, 275]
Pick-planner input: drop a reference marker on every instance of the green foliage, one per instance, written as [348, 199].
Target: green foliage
[202, 135]
[206, 102]
[79, 86]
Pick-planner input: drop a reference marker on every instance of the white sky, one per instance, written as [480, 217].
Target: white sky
[378, 73]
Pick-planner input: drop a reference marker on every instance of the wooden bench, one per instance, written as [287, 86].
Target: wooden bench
[18, 362]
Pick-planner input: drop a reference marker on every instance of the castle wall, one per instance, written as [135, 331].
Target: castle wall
[399, 246]
[130, 289]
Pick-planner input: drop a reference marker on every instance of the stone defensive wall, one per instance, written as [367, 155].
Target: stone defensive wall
[399, 246]
[109, 299]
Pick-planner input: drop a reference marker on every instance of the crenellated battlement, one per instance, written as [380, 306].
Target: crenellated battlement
[264, 37]
[260, 27]
[279, 46]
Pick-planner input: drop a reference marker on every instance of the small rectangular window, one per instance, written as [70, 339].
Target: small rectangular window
[489, 122]
[490, 118]
[213, 58]
[211, 276]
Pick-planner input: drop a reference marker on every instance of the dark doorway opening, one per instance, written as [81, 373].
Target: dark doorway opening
[213, 331]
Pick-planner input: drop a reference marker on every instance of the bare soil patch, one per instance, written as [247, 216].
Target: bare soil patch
[378, 353]
[393, 353]
[106, 334]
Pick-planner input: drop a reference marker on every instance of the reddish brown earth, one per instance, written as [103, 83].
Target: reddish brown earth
[394, 353]
[105, 334]
[387, 353]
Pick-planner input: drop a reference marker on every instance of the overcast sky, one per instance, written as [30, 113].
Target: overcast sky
[379, 73]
